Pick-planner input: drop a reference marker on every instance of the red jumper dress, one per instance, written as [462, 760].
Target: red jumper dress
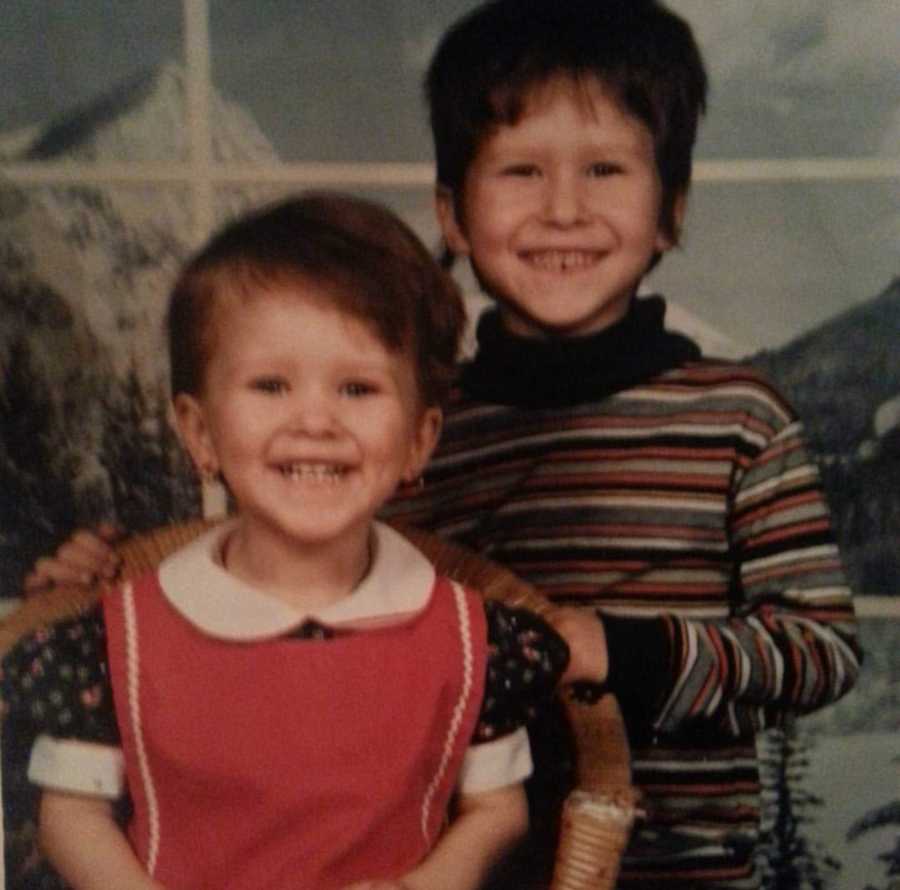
[282, 763]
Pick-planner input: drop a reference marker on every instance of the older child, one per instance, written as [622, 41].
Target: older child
[597, 454]
[292, 699]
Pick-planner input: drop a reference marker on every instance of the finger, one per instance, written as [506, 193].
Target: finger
[89, 554]
[78, 562]
[48, 572]
[36, 581]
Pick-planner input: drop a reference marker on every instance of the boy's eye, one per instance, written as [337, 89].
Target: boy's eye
[524, 170]
[603, 168]
[271, 385]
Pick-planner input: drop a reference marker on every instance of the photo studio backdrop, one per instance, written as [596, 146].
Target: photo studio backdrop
[130, 130]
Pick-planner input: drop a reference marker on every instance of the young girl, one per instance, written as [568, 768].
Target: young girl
[292, 699]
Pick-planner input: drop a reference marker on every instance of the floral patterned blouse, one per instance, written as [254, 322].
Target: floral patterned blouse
[57, 683]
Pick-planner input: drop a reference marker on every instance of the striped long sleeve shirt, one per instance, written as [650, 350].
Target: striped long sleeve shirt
[682, 504]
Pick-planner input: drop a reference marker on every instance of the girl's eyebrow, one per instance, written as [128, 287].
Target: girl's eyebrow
[376, 370]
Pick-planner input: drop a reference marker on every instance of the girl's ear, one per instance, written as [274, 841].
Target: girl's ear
[425, 439]
[449, 221]
[190, 421]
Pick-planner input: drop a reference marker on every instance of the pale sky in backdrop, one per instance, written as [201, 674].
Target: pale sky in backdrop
[340, 80]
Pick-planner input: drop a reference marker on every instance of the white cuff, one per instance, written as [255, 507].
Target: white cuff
[76, 766]
[505, 761]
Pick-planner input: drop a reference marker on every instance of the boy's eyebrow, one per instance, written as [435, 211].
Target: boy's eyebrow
[496, 149]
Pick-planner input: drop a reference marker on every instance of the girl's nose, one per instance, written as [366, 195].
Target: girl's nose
[312, 413]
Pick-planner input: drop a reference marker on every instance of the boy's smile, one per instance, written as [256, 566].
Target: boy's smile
[560, 212]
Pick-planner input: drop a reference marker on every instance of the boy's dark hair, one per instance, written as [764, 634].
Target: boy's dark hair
[369, 263]
[487, 64]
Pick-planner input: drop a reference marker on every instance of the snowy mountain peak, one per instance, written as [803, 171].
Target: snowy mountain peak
[141, 120]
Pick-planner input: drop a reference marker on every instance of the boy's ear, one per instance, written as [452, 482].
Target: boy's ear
[670, 236]
[190, 421]
[448, 219]
[425, 439]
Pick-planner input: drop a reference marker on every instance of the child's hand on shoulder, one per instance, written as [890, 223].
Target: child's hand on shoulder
[583, 631]
[86, 557]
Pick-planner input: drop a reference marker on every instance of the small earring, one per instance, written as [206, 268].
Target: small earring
[208, 473]
[416, 483]
[213, 494]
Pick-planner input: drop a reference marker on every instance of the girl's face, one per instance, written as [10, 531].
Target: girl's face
[311, 420]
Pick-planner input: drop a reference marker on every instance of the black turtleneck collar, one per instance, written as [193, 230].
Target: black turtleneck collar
[562, 371]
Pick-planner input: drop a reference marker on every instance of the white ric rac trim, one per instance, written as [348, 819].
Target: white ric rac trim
[504, 761]
[132, 656]
[78, 767]
[465, 633]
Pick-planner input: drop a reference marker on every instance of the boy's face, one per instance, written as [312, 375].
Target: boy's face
[311, 419]
[560, 212]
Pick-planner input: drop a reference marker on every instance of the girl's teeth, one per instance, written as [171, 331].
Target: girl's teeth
[316, 472]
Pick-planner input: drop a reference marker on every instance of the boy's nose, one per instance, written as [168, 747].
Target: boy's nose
[563, 200]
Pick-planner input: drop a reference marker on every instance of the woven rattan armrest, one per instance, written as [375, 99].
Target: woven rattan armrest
[598, 815]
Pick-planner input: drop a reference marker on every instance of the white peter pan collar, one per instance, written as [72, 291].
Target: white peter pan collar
[193, 580]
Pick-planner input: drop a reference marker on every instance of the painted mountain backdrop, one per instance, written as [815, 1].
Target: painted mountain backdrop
[844, 380]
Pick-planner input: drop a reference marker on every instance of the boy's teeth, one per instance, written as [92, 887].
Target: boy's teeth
[318, 472]
[562, 260]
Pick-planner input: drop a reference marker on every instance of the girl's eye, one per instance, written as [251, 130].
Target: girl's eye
[603, 168]
[270, 385]
[356, 388]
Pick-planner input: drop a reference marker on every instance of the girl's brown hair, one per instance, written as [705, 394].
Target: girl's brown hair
[363, 256]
